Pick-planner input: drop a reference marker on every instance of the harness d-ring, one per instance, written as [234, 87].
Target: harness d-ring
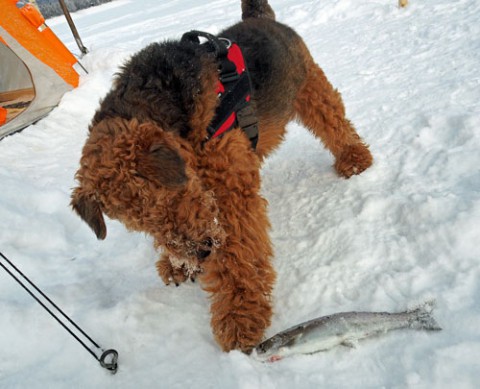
[227, 41]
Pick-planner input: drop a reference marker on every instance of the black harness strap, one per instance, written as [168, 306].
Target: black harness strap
[235, 108]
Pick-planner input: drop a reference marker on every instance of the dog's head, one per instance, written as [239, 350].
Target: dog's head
[145, 177]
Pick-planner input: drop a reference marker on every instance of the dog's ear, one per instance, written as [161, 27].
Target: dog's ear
[164, 166]
[89, 210]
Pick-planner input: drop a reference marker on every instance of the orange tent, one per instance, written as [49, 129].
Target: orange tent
[36, 69]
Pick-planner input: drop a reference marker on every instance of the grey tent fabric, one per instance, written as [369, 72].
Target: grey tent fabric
[48, 86]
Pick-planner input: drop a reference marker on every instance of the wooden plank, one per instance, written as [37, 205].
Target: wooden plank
[16, 101]
[26, 94]
[13, 113]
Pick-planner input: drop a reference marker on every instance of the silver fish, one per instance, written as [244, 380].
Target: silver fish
[344, 328]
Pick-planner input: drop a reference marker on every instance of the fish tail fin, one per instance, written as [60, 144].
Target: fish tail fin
[422, 318]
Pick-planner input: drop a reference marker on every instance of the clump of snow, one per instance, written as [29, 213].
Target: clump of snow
[404, 231]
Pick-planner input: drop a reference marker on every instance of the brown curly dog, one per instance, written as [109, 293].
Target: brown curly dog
[147, 164]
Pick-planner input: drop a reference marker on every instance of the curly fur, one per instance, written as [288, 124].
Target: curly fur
[146, 163]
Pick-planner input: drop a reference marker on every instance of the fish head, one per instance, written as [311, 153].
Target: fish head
[271, 350]
[270, 355]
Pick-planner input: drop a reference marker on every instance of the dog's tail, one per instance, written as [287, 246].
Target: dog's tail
[257, 9]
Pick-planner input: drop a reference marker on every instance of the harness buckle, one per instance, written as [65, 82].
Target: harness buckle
[229, 77]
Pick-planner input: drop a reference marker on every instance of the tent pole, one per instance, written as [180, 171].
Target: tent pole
[82, 48]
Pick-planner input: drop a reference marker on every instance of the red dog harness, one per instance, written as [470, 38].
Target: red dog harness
[234, 88]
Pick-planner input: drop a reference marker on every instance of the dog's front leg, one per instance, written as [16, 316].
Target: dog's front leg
[240, 315]
[239, 274]
[240, 279]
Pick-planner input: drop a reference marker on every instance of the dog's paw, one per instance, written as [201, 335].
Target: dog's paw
[170, 273]
[239, 322]
[237, 332]
[354, 159]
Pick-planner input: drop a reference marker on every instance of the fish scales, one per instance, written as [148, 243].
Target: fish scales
[341, 328]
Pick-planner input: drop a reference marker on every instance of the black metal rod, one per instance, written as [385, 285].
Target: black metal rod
[49, 311]
[44, 296]
[75, 33]
[111, 353]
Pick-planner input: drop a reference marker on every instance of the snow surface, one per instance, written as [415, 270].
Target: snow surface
[404, 231]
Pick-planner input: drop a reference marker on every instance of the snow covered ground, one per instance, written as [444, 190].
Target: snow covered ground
[404, 231]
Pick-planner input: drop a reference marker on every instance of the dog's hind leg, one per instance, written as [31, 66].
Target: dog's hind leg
[320, 108]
